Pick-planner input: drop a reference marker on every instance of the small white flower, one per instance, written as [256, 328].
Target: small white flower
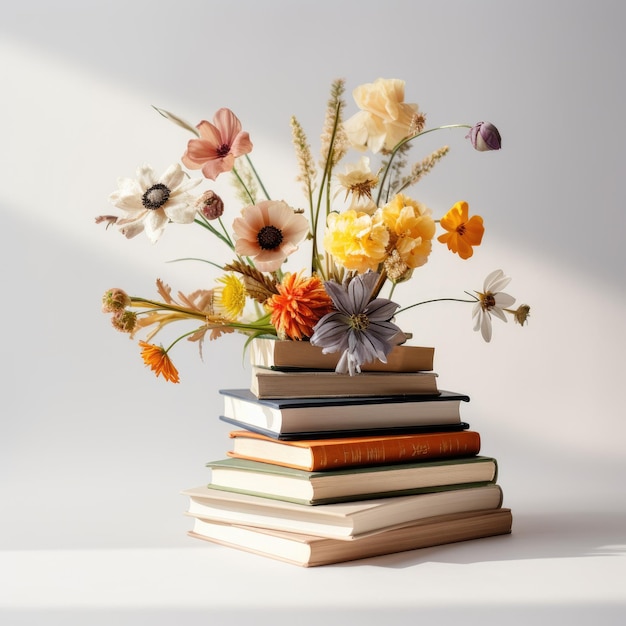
[358, 182]
[151, 202]
[491, 301]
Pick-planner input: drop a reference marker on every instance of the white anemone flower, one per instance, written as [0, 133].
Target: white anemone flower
[151, 202]
[492, 302]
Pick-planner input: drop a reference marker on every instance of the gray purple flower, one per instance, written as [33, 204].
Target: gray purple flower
[360, 327]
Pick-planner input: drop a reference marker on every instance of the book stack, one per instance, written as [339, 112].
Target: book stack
[325, 468]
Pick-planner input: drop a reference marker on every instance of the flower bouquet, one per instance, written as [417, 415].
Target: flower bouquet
[366, 234]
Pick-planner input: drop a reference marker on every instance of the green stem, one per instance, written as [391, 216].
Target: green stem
[244, 186]
[191, 332]
[325, 177]
[258, 178]
[406, 308]
[191, 258]
[406, 140]
[224, 237]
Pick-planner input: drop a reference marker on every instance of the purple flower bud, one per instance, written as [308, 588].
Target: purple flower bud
[485, 136]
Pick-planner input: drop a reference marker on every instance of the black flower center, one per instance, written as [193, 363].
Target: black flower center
[359, 321]
[223, 150]
[155, 197]
[269, 237]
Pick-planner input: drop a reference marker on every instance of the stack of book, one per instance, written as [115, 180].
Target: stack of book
[325, 468]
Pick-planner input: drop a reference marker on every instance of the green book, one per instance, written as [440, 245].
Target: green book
[357, 483]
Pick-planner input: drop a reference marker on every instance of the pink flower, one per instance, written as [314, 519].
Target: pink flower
[269, 232]
[218, 146]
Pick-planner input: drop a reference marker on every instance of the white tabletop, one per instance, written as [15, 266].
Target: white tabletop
[556, 567]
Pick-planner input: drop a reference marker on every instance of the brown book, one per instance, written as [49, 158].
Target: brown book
[310, 550]
[335, 453]
[279, 354]
[269, 383]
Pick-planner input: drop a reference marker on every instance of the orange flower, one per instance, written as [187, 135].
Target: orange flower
[463, 231]
[298, 305]
[159, 361]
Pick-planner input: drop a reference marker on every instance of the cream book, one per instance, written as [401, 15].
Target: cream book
[267, 352]
[344, 520]
[312, 551]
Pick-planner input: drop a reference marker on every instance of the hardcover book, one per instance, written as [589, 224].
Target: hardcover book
[342, 452]
[344, 520]
[327, 415]
[278, 354]
[310, 550]
[360, 483]
[270, 383]
[351, 432]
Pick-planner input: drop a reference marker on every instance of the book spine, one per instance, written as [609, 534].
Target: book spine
[395, 450]
[298, 355]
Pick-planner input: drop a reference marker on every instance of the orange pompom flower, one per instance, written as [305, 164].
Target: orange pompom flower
[299, 304]
[159, 361]
[463, 232]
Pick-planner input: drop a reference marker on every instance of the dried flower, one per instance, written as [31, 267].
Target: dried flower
[109, 220]
[268, 232]
[124, 321]
[419, 170]
[485, 136]
[210, 205]
[218, 146]
[360, 327]
[115, 300]
[373, 238]
[521, 314]
[306, 164]
[463, 232]
[396, 268]
[334, 142]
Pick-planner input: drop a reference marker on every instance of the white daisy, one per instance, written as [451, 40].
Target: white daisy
[491, 301]
[151, 202]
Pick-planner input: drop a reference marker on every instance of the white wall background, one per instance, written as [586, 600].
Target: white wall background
[93, 449]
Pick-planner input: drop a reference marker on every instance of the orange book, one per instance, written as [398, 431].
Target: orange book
[326, 454]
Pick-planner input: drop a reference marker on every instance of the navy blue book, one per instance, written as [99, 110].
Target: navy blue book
[298, 418]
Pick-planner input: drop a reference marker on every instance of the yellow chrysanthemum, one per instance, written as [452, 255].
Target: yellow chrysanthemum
[355, 241]
[411, 228]
[300, 303]
[231, 296]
